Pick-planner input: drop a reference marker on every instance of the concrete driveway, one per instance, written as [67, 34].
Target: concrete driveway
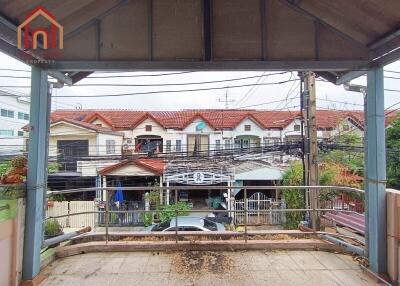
[207, 268]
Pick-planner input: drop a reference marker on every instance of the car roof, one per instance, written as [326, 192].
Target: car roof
[188, 221]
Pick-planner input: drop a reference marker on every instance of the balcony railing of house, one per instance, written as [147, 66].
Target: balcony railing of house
[108, 214]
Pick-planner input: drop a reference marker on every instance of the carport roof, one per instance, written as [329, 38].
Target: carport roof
[336, 38]
[339, 39]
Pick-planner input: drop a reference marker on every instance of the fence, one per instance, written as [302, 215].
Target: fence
[257, 205]
[77, 221]
[304, 212]
[124, 219]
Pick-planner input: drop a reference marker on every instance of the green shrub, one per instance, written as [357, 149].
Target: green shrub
[294, 198]
[52, 227]
[4, 167]
[169, 211]
[147, 218]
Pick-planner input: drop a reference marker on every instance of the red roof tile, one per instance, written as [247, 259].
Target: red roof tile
[85, 125]
[153, 165]
[216, 118]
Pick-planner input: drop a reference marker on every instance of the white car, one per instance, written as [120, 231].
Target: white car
[188, 223]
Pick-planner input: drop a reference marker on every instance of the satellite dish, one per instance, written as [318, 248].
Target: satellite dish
[200, 126]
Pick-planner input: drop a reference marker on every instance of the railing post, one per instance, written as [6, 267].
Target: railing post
[245, 215]
[107, 218]
[176, 216]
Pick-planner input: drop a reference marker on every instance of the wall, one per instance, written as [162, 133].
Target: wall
[15, 143]
[64, 131]
[102, 139]
[90, 168]
[11, 241]
[393, 234]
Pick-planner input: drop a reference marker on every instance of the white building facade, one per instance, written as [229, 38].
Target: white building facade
[14, 114]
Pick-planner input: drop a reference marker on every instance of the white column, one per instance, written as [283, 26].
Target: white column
[167, 199]
[161, 190]
[103, 192]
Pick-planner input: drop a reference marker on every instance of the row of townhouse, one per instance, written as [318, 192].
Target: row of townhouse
[128, 148]
[78, 133]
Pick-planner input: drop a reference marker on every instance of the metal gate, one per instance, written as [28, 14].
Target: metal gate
[123, 219]
[256, 204]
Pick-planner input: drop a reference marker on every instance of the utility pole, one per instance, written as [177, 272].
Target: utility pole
[311, 146]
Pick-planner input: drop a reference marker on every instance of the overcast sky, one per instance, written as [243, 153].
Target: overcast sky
[244, 97]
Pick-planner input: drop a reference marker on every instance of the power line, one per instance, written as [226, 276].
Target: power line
[173, 84]
[168, 91]
[155, 84]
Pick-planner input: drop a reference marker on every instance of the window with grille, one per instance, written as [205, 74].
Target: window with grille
[6, 132]
[227, 144]
[7, 113]
[148, 128]
[178, 146]
[217, 144]
[296, 127]
[110, 146]
[23, 116]
[247, 128]
[168, 146]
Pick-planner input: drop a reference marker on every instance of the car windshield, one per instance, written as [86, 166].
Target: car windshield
[210, 225]
[161, 226]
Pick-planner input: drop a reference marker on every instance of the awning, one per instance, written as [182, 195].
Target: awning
[262, 174]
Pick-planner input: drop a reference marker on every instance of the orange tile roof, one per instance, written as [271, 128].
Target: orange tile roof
[86, 125]
[153, 165]
[216, 118]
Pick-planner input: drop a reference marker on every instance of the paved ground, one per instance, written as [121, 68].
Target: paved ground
[207, 268]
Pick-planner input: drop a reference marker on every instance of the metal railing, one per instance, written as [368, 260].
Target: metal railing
[175, 189]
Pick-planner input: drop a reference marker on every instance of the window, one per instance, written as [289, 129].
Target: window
[99, 125]
[277, 141]
[23, 116]
[227, 144]
[247, 128]
[7, 113]
[296, 127]
[210, 225]
[346, 127]
[217, 144]
[129, 141]
[20, 133]
[265, 141]
[178, 146]
[148, 128]
[168, 147]
[110, 146]
[6, 132]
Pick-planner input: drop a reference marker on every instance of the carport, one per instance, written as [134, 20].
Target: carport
[339, 40]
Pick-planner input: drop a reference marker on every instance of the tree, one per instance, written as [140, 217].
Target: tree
[330, 173]
[294, 198]
[353, 161]
[393, 159]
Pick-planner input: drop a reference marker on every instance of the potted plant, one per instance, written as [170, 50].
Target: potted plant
[52, 228]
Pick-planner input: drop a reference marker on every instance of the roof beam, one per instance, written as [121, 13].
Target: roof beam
[203, 65]
[379, 62]
[311, 16]
[87, 16]
[385, 39]
[8, 36]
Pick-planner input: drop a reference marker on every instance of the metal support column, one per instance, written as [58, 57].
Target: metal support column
[375, 174]
[37, 171]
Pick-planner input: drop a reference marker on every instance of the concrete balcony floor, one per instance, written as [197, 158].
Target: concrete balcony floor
[207, 268]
